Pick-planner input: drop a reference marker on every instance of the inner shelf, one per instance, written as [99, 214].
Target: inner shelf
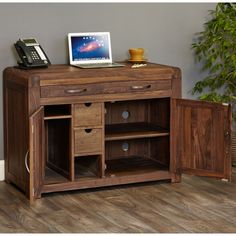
[133, 131]
[132, 166]
[57, 112]
[52, 177]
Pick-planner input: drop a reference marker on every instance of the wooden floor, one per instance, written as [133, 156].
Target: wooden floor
[195, 205]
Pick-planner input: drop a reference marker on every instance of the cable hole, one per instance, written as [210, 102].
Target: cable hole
[125, 115]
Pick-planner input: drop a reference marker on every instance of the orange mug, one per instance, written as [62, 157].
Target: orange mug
[136, 54]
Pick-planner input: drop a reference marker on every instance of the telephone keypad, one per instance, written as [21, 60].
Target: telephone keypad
[34, 55]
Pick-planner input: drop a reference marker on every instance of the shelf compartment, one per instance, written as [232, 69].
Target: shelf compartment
[154, 150]
[57, 146]
[53, 177]
[57, 112]
[133, 131]
[87, 167]
[132, 166]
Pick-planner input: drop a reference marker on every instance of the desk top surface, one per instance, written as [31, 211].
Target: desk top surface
[70, 74]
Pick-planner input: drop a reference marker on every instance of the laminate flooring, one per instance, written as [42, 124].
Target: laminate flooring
[196, 205]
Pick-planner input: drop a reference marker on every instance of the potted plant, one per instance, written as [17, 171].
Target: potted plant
[215, 49]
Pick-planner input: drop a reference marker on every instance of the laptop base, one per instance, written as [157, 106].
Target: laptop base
[99, 65]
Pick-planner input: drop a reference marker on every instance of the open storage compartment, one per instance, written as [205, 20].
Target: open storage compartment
[57, 112]
[137, 137]
[137, 119]
[87, 167]
[136, 156]
[57, 120]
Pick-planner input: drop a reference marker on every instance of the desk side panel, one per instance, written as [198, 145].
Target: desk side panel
[15, 98]
[176, 93]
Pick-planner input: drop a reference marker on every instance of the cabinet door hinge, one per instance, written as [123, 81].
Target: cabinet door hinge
[32, 128]
[225, 180]
[225, 104]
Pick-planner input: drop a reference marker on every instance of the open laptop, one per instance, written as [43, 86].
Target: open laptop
[91, 50]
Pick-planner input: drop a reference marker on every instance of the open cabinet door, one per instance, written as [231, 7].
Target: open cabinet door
[36, 124]
[201, 138]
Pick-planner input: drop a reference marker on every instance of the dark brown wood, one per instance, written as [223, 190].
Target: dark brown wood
[133, 147]
[88, 141]
[102, 156]
[36, 154]
[131, 165]
[201, 130]
[16, 124]
[134, 131]
[85, 183]
[233, 144]
[55, 111]
[137, 112]
[58, 145]
[103, 127]
[88, 114]
[104, 88]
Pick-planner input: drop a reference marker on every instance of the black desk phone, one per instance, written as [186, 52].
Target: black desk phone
[31, 54]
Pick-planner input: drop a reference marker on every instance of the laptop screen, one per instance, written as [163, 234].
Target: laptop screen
[85, 48]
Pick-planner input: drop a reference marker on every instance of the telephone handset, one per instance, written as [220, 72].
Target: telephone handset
[31, 54]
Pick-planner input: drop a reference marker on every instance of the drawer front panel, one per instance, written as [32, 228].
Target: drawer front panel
[87, 114]
[105, 88]
[88, 141]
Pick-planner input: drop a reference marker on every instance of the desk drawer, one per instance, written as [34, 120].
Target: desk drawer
[105, 88]
[88, 141]
[88, 114]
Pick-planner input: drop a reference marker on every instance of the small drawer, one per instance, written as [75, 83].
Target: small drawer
[88, 141]
[88, 114]
[107, 88]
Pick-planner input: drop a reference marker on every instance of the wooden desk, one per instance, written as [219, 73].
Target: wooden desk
[67, 128]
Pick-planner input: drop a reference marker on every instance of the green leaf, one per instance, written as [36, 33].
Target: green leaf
[215, 49]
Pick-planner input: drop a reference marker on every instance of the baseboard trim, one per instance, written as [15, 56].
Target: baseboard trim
[2, 171]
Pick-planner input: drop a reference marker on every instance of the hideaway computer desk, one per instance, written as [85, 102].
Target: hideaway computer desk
[67, 128]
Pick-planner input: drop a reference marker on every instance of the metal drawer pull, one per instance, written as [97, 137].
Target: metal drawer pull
[72, 91]
[26, 164]
[137, 87]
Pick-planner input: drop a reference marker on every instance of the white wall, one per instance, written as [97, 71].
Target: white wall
[165, 30]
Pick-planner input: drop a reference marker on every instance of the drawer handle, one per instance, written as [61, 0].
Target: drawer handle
[139, 87]
[88, 104]
[26, 164]
[88, 130]
[73, 91]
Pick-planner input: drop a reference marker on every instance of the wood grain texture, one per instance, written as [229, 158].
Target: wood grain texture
[36, 154]
[134, 131]
[88, 141]
[201, 132]
[104, 88]
[88, 114]
[58, 148]
[16, 125]
[197, 205]
[84, 117]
